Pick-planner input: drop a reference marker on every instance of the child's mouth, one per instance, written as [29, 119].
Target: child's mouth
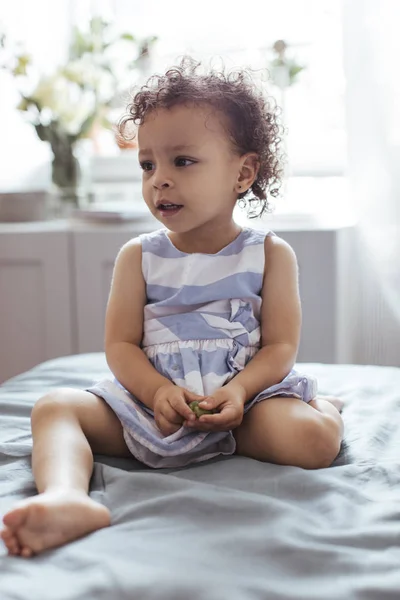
[168, 209]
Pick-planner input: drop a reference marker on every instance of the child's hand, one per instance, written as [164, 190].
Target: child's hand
[171, 408]
[229, 404]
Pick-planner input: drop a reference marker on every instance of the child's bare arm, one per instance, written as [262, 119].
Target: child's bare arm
[124, 327]
[280, 322]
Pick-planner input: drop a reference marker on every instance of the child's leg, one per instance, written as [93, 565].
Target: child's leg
[288, 431]
[67, 426]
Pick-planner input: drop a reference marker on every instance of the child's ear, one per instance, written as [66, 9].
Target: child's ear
[249, 167]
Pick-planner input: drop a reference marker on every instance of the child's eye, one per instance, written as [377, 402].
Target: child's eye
[183, 162]
[146, 165]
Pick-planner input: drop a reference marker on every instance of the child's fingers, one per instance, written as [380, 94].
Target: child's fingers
[166, 427]
[227, 418]
[209, 403]
[191, 396]
[181, 407]
[170, 414]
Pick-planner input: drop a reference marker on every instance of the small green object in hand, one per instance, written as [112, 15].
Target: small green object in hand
[194, 406]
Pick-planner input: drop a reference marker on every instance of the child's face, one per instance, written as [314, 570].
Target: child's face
[189, 167]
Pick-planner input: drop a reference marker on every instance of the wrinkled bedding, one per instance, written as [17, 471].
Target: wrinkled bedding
[229, 529]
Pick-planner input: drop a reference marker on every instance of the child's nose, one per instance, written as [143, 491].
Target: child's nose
[161, 179]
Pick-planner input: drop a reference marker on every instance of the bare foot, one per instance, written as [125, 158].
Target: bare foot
[51, 519]
[337, 402]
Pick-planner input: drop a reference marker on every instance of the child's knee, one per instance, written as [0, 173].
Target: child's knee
[53, 402]
[286, 431]
[325, 436]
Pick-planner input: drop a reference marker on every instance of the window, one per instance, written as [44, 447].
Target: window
[243, 34]
[22, 156]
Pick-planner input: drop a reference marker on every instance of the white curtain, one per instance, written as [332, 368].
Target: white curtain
[371, 57]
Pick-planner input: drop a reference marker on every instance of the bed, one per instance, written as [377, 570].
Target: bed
[229, 529]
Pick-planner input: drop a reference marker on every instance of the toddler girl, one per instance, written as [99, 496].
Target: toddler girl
[201, 310]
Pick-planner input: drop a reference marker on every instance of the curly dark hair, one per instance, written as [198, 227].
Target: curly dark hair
[253, 118]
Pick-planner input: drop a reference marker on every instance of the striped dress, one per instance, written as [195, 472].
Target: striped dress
[201, 327]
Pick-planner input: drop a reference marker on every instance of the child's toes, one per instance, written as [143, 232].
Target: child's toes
[12, 545]
[15, 518]
[6, 534]
[26, 552]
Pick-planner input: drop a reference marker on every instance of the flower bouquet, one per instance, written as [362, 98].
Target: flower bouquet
[70, 104]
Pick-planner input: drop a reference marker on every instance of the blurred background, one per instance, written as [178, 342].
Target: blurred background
[314, 103]
[66, 71]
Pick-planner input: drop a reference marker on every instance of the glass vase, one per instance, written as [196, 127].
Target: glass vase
[69, 188]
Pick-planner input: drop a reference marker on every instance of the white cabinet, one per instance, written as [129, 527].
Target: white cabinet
[95, 250]
[35, 296]
[324, 259]
[55, 279]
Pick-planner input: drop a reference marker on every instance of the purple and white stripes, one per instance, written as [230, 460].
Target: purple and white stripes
[201, 327]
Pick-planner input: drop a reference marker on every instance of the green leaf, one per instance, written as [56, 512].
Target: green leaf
[23, 61]
[106, 124]
[294, 70]
[98, 26]
[87, 125]
[24, 103]
[128, 37]
[107, 68]
[79, 44]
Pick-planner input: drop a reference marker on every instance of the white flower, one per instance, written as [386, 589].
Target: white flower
[49, 90]
[70, 106]
[72, 116]
[86, 73]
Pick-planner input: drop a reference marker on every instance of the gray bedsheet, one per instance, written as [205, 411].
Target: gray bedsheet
[231, 529]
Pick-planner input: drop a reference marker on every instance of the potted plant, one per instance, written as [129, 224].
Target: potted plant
[69, 105]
